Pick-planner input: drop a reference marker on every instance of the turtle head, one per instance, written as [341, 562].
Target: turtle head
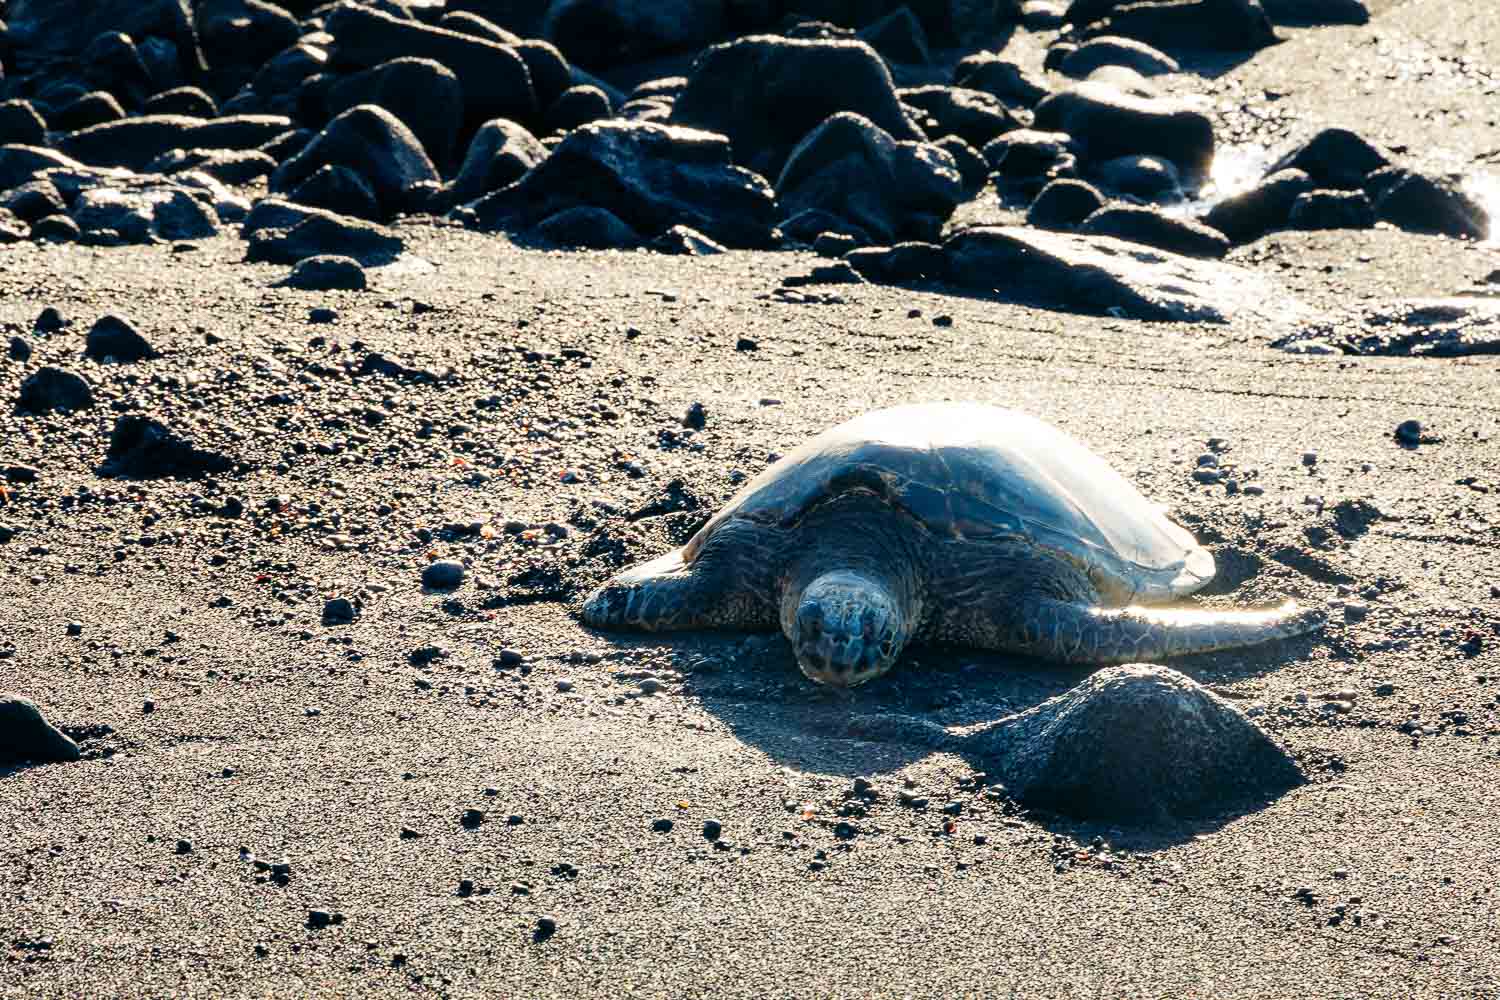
[846, 628]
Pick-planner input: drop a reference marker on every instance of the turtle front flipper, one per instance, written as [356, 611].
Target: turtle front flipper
[1074, 633]
[668, 593]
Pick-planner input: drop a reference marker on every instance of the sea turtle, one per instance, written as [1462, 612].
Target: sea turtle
[952, 523]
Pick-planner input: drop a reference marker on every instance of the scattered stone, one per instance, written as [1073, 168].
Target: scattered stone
[661, 825]
[338, 611]
[25, 733]
[472, 819]
[134, 142]
[142, 447]
[1409, 431]
[55, 389]
[712, 829]
[1335, 158]
[974, 116]
[114, 338]
[1149, 178]
[1421, 204]
[280, 232]
[1000, 78]
[445, 574]
[423, 95]
[585, 227]
[326, 272]
[19, 349]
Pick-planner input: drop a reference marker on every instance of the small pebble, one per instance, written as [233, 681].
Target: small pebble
[662, 825]
[712, 829]
[1409, 431]
[445, 574]
[472, 818]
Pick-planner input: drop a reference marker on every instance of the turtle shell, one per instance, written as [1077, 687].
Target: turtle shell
[968, 471]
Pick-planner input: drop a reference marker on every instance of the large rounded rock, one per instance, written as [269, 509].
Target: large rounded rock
[1421, 204]
[1063, 204]
[113, 337]
[855, 170]
[135, 142]
[282, 232]
[1225, 25]
[973, 115]
[338, 189]
[1251, 214]
[650, 176]
[1000, 78]
[1149, 178]
[64, 28]
[1113, 51]
[144, 212]
[585, 227]
[1108, 124]
[374, 142]
[21, 124]
[25, 733]
[1324, 209]
[1334, 158]
[603, 33]
[1139, 743]
[424, 95]
[500, 153]
[494, 77]
[1136, 224]
[766, 93]
[324, 273]
[51, 388]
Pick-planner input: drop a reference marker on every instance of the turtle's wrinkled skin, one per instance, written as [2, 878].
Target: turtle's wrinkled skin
[944, 522]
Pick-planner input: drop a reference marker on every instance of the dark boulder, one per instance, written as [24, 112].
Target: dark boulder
[191, 101]
[1149, 178]
[51, 388]
[55, 229]
[281, 232]
[1307, 12]
[13, 229]
[766, 93]
[338, 189]
[550, 72]
[62, 29]
[973, 115]
[326, 272]
[577, 106]
[1107, 124]
[1107, 276]
[853, 169]
[135, 142]
[603, 33]
[21, 124]
[1251, 214]
[684, 241]
[94, 108]
[1136, 224]
[494, 77]
[1334, 158]
[898, 36]
[1223, 25]
[1063, 204]
[374, 142]
[972, 169]
[238, 36]
[1027, 159]
[228, 166]
[112, 63]
[33, 200]
[142, 447]
[650, 176]
[115, 338]
[422, 94]
[1000, 78]
[586, 227]
[1112, 51]
[500, 153]
[1331, 209]
[26, 735]
[1421, 204]
[143, 211]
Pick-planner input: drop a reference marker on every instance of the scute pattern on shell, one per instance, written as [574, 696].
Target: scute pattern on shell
[976, 472]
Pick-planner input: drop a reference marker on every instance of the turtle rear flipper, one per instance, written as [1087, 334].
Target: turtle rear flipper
[1073, 633]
